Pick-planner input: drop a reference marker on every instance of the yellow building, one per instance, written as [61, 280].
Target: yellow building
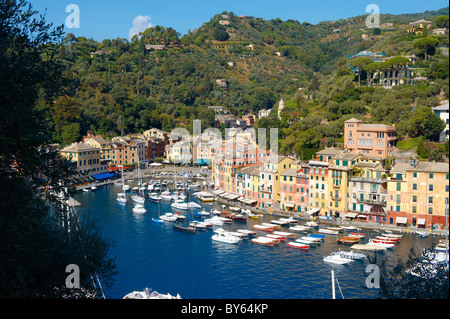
[85, 158]
[418, 194]
[270, 178]
[339, 172]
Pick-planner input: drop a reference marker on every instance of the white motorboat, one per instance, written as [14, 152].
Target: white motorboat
[179, 204]
[121, 198]
[126, 187]
[154, 197]
[215, 220]
[168, 217]
[349, 254]
[224, 237]
[166, 196]
[337, 259]
[197, 224]
[138, 199]
[139, 209]
[93, 188]
[193, 205]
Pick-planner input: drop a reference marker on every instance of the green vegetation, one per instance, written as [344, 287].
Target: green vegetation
[38, 236]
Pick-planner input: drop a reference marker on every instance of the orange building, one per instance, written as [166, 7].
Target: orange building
[376, 140]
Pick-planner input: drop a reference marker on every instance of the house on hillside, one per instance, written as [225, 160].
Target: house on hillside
[418, 26]
[442, 111]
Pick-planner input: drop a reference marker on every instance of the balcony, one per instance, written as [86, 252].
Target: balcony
[335, 199]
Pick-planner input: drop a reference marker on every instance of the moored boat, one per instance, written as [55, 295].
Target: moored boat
[300, 228]
[349, 254]
[285, 234]
[337, 259]
[328, 231]
[348, 240]
[305, 241]
[358, 235]
[263, 241]
[368, 247]
[263, 228]
[298, 245]
[282, 238]
[247, 231]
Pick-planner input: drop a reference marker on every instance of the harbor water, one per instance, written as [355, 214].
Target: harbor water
[156, 256]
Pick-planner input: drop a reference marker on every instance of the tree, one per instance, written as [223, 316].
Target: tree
[419, 277]
[35, 242]
[442, 21]
[220, 33]
[425, 123]
[359, 63]
[425, 44]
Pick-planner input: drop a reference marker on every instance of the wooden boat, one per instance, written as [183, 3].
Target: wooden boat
[263, 228]
[388, 239]
[184, 228]
[263, 241]
[328, 231]
[282, 238]
[238, 217]
[368, 247]
[298, 245]
[285, 234]
[348, 240]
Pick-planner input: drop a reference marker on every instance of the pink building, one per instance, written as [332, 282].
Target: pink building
[376, 140]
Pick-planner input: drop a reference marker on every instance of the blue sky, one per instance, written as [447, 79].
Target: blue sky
[100, 19]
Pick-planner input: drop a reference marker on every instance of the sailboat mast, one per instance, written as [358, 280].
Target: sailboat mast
[332, 285]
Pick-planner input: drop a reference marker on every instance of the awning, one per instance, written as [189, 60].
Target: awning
[202, 161]
[312, 211]
[361, 216]
[351, 215]
[290, 205]
[421, 221]
[218, 192]
[401, 220]
[252, 201]
[155, 164]
[233, 196]
[103, 176]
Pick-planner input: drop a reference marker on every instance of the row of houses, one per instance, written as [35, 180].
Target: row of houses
[94, 155]
[352, 184]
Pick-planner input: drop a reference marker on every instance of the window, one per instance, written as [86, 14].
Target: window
[399, 187]
[414, 199]
[414, 174]
[430, 199]
[414, 187]
[430, 187]
[431, 175]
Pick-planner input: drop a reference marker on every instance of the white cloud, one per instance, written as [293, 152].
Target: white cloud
[140, 24]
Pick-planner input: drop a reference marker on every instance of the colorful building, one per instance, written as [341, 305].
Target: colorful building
[369, 139]
[418, 194]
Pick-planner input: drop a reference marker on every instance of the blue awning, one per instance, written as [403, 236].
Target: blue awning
[202, 161]
[103, 176]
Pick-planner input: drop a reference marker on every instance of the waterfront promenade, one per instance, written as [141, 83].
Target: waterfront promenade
[154, 173]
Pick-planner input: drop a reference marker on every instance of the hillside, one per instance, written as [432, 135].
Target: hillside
[119, 85]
